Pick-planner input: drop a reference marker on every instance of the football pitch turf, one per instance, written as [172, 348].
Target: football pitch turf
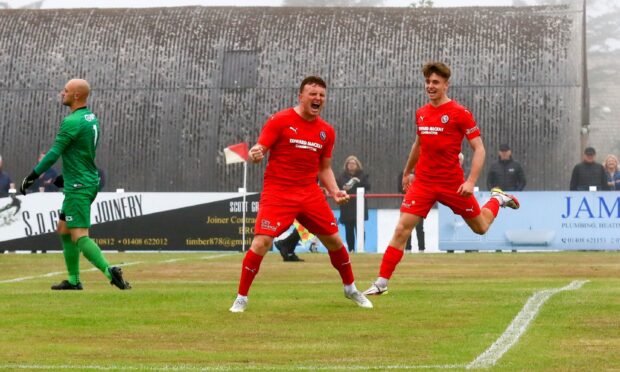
[443, 311]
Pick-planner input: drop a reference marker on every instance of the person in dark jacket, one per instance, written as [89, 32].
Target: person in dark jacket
[506, 173]
[352, 178]
[588, 173]
[5, 182]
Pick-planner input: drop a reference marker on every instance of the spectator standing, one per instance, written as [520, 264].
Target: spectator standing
[613, 172]
[352, 178]
[506, 173]
[588, 173]
[5, 182]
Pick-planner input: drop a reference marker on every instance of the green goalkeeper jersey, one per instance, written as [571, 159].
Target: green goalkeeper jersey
[76, 142]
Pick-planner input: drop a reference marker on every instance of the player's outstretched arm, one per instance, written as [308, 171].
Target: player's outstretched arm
[28, 181]
[477, 162]
[412, 160]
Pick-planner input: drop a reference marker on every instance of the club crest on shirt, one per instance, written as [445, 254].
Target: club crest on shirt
[323, 135]
[444, 119]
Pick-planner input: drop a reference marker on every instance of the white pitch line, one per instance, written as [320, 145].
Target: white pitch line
[229, 368]
[487, 359]
[54, 273]
[518, 326]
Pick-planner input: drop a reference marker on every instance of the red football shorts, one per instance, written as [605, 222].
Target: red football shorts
[280, 206]
[421, 197]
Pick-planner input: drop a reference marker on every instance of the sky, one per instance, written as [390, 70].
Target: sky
[158, 3]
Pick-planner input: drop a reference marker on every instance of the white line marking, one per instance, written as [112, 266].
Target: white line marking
[487, 359]
[54, 273]
[518, 326]
[229, 368]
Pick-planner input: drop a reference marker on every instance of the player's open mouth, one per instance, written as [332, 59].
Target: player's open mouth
[315, 106]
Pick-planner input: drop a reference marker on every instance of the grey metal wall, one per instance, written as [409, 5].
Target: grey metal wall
[174, 86]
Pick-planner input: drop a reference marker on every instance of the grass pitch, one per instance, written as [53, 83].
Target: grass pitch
[443, 310]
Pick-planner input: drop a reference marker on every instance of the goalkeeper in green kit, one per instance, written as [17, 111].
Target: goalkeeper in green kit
[76, 142]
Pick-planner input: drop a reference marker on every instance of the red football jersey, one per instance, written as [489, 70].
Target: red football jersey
[296, 147]
[441, 131]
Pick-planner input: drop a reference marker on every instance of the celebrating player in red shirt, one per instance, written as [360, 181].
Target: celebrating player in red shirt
[300, 147]
[441, 126]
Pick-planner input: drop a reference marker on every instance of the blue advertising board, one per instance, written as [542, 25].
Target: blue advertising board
[553, 220]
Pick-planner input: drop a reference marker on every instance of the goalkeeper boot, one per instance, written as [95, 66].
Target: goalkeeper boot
[65, 285]
[359, 298]
[505, 200]
[376, 290]
[117, 278]
[239, 305]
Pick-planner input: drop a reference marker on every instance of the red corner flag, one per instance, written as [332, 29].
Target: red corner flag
[236, 153]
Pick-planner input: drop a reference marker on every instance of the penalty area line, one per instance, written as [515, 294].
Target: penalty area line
[519, 325]
[229, 368]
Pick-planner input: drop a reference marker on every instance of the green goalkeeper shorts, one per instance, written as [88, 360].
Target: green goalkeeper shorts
[76, 207]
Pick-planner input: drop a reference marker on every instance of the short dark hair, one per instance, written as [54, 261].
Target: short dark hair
[438, 68]
[312, 80]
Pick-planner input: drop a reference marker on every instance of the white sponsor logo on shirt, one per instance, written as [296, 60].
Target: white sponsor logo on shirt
[430, 130]
[306, 145]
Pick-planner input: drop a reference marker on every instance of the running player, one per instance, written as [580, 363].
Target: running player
[76, 142]
[441, 126]
[300, 145]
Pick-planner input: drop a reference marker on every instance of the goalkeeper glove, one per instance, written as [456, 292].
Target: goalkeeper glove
[59, 182]
[28, 181]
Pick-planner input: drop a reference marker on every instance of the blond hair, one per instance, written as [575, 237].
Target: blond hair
[610, 156]
[355, 159]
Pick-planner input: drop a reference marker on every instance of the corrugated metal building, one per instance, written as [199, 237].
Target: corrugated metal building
[174, 86]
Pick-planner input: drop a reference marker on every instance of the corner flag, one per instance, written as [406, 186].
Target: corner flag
[236, 153]
[239, 154]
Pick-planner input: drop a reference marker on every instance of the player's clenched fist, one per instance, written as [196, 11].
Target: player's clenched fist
[341, 197]
[256, 153]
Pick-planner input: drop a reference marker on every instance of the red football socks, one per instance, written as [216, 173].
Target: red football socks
[249, 269]
[391, 258]
[340, 260]
[493, 206]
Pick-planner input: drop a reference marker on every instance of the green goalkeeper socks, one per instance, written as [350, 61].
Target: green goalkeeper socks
[92, 252]
[72, 258]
